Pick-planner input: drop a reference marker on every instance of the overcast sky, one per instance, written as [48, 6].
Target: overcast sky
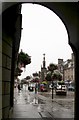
[43, 32]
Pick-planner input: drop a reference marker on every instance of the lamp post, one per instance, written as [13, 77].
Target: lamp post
[63, 70]
[52, 84]
[52, 89]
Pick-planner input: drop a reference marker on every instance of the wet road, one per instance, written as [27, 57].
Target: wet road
[66, 101]
[30, 105]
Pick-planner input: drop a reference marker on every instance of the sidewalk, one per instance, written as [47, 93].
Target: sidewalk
[30, 105]
[23, 107]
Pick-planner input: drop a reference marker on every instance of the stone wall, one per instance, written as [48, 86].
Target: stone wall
[6, 73]
[0, 79]
[11, 33]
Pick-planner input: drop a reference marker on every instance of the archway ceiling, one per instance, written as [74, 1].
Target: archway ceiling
[67, 11]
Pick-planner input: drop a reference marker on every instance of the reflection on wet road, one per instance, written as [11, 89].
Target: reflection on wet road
[32, 98]
[40, 106]
[37, 100]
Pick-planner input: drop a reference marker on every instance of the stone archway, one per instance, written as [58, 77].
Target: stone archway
[68, 13]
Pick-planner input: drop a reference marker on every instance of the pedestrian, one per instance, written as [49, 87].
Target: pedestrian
[21, 85]
[36, 88]
[19, 88]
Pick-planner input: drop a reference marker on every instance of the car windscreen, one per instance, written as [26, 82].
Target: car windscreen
[61, 83]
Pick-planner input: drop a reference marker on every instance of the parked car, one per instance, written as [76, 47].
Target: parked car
[43, 88]
[71, 88]
[61, 88]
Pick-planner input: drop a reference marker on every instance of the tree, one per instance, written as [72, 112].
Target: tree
[18, 72]
[35, 74]
[23, 59]
[57, 75]
[36, 77]
[48, 76]
[27, 77]
[51, 69]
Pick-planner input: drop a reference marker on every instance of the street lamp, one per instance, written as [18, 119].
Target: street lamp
[52, 85]
[52, 88]
[62, 70]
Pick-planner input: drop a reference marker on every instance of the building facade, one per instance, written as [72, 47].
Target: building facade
[67, 68]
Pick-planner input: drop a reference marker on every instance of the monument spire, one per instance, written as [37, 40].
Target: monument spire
[44, 62]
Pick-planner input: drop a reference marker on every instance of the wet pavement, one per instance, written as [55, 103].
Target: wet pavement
[30, 105]
[65, 101]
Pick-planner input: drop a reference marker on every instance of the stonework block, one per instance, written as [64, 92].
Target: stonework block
[0, 59]
[0, 102]
[5, 112]
[5, 100]
[7, 39]
[8, 65]
[4, 60]
[0, 114]
[0, 87]
[6, 74]
[0, 73]
[0, 46]
[6, 49]
[5, 88]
